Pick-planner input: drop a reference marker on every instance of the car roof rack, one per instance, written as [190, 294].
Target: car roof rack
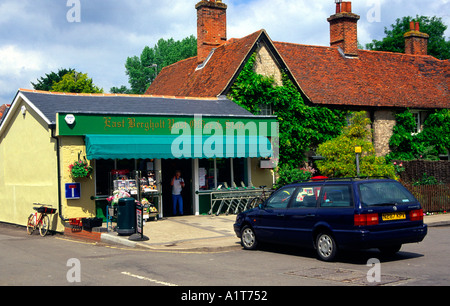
[351, 179]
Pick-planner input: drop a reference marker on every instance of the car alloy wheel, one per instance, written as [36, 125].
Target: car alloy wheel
[326, 247]
[248, 238]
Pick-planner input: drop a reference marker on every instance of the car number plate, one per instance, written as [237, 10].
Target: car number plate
[393, 216]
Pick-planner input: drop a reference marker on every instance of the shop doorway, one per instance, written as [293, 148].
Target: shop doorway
[169, 167]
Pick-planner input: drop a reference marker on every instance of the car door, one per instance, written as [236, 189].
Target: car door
[270, 225]
[301, 215]
[336, 209]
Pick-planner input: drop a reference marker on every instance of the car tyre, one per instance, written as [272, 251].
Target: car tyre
[326, 247]
[248, 238]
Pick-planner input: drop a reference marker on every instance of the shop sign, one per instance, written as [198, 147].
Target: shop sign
[84, 124]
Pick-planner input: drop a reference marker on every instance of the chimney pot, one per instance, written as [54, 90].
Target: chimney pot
[344, 30]
[416, 43]
[346, 7]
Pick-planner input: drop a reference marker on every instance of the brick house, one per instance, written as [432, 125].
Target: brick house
[336, 76]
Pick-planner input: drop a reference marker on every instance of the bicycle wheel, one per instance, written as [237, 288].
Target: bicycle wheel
[30, 224]
[255, 202]
[43, 226]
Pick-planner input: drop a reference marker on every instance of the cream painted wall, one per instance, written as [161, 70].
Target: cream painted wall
[261, 177]
[70, 149]
[28, 171]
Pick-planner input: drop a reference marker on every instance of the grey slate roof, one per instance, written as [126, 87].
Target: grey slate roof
[51, 103]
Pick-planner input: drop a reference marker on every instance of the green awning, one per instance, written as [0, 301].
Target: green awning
[176, 146]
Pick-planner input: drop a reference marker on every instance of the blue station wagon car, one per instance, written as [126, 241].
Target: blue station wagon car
[333, 214]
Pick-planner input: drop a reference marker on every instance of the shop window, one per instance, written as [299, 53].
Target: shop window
[223, 172]
[206, 174]
[239, 173]
[103, 169]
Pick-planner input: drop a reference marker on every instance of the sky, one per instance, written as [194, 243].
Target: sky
[97, 36]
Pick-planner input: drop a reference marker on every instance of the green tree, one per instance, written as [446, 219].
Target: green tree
[301, 127]
[339, 153]
[394, 41]
[143, 70]
[46, 83]
[76, 82]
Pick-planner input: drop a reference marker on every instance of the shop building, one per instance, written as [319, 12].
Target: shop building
[212, 141]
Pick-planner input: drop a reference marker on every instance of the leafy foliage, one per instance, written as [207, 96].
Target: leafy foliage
[339, 153]
[433, 140]
[80, 169]
[143, 70]
[46, 83]
[394, 41]
[76, 82]
[301, 127]
[287, 175]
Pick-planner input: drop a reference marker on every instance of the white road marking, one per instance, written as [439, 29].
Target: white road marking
[148, 279]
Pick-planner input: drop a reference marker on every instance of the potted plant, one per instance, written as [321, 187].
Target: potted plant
[80, 169]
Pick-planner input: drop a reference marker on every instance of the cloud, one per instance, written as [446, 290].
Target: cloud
[18, 65]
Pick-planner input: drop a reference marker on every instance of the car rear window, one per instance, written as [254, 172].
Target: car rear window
[384, 193]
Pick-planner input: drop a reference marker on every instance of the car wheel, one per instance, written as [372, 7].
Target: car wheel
[326, 247]
[248, 238]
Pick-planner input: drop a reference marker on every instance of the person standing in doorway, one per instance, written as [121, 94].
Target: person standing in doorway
[177, 200]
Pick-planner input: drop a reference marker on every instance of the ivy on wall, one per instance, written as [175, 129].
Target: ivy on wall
[434, 139]
[302, 127]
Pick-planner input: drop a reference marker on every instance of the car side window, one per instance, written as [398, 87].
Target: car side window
[336, 196]
[281, 198]
[306, 197]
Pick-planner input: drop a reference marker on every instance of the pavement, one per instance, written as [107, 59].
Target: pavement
[203, 233]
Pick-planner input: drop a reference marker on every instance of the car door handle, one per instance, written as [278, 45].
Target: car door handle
[280, 215]
[310, 215]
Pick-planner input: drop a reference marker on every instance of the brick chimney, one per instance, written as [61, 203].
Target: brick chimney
[343, 29]
[211, 26]
[416, 42]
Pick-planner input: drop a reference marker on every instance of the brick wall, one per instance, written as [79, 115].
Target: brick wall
[211, 27]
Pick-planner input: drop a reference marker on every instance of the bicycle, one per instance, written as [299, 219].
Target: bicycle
[259, 199]
[40, 219]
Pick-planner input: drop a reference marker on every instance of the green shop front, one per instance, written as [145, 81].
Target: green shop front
[220, 156]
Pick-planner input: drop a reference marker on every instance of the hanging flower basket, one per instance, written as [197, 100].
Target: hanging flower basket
[80, 169]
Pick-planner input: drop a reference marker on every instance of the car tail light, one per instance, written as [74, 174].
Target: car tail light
[366, 219]
[416, 215]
